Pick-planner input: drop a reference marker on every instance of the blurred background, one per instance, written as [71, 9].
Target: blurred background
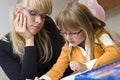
[111, 7]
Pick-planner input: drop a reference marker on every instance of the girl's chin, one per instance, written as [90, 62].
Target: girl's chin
[72, 44]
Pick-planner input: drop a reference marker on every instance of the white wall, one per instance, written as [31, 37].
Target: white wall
[4, 16]
[113, 19]
[58, 5]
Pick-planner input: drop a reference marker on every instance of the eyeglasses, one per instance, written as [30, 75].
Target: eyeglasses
[34, 13]
[73, 34]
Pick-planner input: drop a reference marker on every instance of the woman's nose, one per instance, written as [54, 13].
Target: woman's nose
[38, 19]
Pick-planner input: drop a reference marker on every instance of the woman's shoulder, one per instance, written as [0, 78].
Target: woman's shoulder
[50, 25]
[6, 48]
[6, 38]
[5, 42]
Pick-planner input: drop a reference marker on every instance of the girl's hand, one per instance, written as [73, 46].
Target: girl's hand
[36, 78]
[20, 24]
[77, 66]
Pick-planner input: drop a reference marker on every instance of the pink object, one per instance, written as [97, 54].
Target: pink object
[95, 8]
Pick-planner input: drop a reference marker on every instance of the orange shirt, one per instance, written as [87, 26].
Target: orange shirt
[102, 53]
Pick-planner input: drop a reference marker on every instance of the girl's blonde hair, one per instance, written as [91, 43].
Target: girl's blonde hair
[77, 16]
[41, 38]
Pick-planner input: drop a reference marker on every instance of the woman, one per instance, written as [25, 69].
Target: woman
[33, 44]
[88, 44]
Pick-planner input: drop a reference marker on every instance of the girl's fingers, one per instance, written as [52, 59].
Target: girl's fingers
[74, 66]
[36, 78]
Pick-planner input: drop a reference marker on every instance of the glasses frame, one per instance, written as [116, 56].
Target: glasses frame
[71, 33]
[43, 16]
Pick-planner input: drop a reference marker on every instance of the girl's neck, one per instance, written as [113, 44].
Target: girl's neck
[82, 44]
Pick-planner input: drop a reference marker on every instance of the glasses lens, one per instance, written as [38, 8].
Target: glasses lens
[43, 16]
[72, 34]
[34, 13]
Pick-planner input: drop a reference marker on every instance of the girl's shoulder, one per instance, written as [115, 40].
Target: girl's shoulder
[104, 37]
[100, 31]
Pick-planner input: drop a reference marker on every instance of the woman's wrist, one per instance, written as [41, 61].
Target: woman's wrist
[29, 42]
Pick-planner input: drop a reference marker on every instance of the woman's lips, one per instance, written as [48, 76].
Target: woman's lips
[36, 27]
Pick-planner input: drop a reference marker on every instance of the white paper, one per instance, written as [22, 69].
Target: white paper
[70, 77]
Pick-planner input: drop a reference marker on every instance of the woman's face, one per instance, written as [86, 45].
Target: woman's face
[74, 37]
[35, 19]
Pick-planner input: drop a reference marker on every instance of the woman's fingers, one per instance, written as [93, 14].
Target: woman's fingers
[20, 23]
[24, 23]
[16, 21]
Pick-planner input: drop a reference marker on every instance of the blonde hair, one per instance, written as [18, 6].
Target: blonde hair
[41, 38]
[76, 15]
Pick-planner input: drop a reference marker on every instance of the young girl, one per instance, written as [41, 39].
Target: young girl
[88, 44]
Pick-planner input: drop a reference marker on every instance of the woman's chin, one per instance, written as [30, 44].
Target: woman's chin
[33, 32]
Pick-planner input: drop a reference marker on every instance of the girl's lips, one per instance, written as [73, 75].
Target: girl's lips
[71, 42]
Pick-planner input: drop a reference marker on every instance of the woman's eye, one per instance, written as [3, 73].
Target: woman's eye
[33, 13]
[73, 33]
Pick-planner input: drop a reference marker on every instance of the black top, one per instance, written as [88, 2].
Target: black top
[31, 66]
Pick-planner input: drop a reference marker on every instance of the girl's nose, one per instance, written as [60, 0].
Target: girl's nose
[68, 37]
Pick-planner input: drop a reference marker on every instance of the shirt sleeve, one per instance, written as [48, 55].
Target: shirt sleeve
[30, 64]
[45, 77]
[56, 72]
[106, 40]
[110, 51]
[90, 64]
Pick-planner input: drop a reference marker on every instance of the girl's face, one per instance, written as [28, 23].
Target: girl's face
[35, 19]
[74, 37]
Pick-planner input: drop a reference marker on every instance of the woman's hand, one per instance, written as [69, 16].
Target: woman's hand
[77, 66]
[20, 24]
